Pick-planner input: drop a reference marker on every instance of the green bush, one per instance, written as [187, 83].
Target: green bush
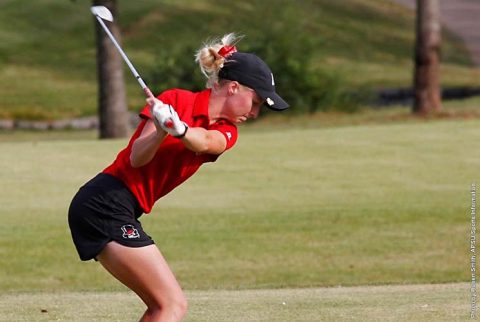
[306, 89]
[324, 53]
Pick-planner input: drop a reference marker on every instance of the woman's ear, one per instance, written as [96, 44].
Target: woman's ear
[233, 87]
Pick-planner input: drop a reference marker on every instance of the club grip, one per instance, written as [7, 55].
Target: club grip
[148, 92]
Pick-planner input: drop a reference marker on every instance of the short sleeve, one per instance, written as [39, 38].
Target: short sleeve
[228, 129]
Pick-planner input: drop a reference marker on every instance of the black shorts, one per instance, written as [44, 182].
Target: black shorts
[105, 210]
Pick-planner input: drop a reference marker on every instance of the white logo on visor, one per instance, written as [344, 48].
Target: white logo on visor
[229, 135]
[270, 102]
[273, 80]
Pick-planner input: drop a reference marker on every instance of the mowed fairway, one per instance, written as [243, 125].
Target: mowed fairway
[441, 302]
[286, 208]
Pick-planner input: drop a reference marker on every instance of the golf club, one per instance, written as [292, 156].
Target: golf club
[102, 13]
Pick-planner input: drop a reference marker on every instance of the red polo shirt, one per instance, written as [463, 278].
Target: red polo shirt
[173, 163]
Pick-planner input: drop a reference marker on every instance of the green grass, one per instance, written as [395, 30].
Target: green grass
[47, 54]
[288, 207]
[444, 302]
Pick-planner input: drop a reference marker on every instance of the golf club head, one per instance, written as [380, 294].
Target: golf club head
[102, 12]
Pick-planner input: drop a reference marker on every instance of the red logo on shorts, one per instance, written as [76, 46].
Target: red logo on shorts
[129, 231]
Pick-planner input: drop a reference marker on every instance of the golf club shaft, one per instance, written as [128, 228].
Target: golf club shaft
[145, 88]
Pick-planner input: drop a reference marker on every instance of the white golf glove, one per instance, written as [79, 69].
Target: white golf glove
[168, 119]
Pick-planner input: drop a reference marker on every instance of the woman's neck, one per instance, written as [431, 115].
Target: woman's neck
[215, 105]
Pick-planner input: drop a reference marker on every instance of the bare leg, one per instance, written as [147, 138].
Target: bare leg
[145, 271]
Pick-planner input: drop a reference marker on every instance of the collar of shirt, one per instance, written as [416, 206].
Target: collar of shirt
[200, 106]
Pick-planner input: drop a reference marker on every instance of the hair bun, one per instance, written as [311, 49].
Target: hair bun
[213, 54]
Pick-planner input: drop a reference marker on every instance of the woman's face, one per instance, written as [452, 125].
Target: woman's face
[242, 103]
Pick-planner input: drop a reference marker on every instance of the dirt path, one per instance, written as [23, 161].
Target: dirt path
[461, 17]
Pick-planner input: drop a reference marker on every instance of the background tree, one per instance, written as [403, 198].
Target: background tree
[112, 102]
[427, 58]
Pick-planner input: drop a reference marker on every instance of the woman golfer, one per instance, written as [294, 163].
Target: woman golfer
[178, 132]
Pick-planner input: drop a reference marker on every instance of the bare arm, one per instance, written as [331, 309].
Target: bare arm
[147, 144]
[198, 139]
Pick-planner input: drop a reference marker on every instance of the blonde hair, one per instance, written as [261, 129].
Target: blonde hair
[210, 60]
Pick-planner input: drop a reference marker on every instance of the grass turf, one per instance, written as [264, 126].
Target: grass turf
[443, 302]
[288, 207]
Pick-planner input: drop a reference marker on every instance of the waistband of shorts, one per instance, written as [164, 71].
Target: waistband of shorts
[107, 182]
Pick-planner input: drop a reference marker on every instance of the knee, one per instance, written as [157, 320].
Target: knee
[174, 307]
[179, 306]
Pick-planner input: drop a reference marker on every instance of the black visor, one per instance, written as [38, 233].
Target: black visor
[251, 71]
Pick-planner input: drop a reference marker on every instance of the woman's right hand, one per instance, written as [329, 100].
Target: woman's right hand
[165, 116]
[159, 111]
